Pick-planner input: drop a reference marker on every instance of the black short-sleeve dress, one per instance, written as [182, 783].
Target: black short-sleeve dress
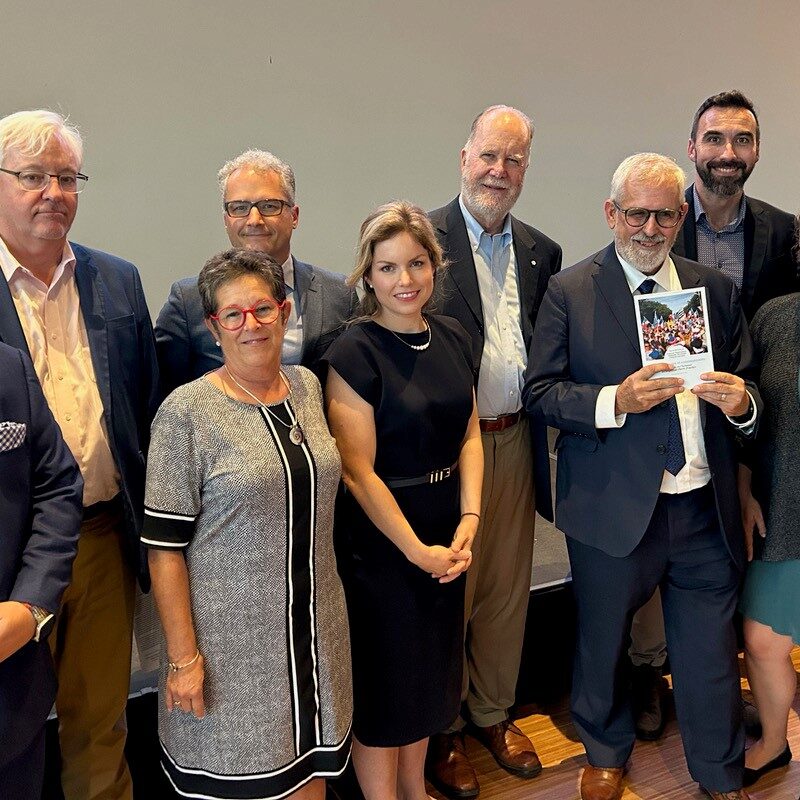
[405, 627]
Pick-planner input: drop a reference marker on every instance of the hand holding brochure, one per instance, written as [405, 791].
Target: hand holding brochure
[673, 328]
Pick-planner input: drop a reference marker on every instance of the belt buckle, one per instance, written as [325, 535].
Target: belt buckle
[439, 475]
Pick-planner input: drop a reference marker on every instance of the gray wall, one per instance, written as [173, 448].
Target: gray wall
[371, 101]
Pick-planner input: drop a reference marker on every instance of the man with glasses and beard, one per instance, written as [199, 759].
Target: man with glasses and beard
[498, 272]
[647, 481]
[750, 242]
[259, 212]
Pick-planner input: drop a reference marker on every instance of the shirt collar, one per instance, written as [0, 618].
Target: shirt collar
[699, 211]
[666, 277]
[476, 230]
[288, 273]
[10, 265]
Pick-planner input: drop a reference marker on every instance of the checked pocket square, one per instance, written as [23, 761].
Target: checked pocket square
[12, 435]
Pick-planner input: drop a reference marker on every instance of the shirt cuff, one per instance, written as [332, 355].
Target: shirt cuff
[747, 426]
[604, 416]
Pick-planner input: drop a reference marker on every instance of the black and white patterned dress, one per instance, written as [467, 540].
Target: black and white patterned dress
[253, 514]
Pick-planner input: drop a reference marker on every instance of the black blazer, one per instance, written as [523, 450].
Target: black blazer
[124, 360]
[457, 295]
[40, 514]
[608, 481]
[186, 348]
[769, 267]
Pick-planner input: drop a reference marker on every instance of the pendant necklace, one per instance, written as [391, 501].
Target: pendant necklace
[415, 346]
[295, 431]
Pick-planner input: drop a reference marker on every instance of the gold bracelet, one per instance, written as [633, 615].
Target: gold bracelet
[175, 667]
[470, 514]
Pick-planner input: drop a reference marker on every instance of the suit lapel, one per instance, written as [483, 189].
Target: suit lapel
[610, 281]
[310, 304]
[10, 327]
[756, 236]
[686, 242]
[90, 293]
[529, 273]
[459, 253]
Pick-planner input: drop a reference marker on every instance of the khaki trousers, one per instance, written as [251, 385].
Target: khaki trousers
[499, 578]
[91, 647]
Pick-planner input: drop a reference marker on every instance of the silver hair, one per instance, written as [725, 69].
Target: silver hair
[500, 107]
[263, 162]
[651, 168]
[29, 133]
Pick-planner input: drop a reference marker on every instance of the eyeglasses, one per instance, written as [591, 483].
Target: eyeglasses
[267, 208]
[233, 317]
[32, 181]
[639, 217]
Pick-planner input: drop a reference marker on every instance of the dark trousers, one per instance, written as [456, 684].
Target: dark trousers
[684, 553]
[22, 778]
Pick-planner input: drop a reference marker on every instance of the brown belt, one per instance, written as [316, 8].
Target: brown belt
[497, 424]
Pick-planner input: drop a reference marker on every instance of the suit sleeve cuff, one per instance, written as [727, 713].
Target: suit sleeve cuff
[604, 416]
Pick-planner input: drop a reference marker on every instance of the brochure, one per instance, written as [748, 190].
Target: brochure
[673, 328]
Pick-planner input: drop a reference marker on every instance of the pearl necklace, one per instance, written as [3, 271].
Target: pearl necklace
[295, 431]
[415, 346]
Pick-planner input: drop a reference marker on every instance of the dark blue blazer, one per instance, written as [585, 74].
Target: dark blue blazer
[608, 481]
[457, 295]
[186, 349]
[40, 514]
[124, 359]
[770, 269]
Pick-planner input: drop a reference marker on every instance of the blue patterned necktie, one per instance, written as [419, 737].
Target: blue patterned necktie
[676, 457]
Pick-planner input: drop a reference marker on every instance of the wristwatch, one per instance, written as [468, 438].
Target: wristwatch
[42, 618]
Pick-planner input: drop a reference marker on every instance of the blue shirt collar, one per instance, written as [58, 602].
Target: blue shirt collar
[476, 229]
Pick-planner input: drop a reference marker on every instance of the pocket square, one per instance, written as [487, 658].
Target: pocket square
[12, 435]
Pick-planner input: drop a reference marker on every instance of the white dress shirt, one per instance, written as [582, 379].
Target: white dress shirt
[292, 350]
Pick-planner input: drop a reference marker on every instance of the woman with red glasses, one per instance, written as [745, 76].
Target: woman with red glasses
[242, 476]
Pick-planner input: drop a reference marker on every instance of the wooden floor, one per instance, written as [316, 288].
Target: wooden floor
[657, 769]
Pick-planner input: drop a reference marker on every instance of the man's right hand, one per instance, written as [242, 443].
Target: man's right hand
[637, 393]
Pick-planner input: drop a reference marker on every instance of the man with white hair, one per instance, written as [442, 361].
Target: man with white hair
[498, 271]
[647, 481]
[260, 213]
[80, 314]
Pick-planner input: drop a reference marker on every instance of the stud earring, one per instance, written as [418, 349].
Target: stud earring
[218, 344]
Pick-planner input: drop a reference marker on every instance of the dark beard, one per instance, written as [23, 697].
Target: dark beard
[726, 186]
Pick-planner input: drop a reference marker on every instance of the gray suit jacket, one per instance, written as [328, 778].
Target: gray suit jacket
[186, 350]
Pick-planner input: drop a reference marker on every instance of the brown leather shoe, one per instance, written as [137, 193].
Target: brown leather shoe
[736, 794]
[447, 766]
[601, 783]
[511, 748]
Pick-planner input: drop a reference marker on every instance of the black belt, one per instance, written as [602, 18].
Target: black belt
[429, 477]
[103, 507]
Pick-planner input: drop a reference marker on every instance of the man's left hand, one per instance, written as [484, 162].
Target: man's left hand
[17, 627]
[725, 391]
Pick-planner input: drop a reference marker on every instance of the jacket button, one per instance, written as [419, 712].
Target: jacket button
[661, 449]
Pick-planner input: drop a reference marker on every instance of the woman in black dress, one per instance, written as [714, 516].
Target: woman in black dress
[402, 409]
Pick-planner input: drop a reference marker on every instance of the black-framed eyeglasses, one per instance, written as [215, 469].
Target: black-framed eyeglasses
[32, 180]
[232, 317]
[639, 217]
[267, 208]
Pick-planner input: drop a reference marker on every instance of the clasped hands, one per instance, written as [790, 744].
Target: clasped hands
[447, 563]
[640, 392]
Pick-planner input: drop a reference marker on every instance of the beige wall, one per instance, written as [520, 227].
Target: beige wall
[371, 101]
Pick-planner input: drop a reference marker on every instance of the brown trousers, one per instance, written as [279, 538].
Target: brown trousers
[91, 647]
[499, 578]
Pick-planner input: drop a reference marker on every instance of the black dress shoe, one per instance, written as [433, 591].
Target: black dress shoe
[752, 775]
[751, 720]
[648, 695]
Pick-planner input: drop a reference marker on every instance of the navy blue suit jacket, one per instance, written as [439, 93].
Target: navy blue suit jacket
[186, 348]
[457, 295]
[40, 514]
[608, 481]
[124, 359]
[769, 266]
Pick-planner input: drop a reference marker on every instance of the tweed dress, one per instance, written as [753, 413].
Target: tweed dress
[253, 514]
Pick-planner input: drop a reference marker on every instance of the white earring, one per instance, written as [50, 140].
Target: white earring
[217, 343]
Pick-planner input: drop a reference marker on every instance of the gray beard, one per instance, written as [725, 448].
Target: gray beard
[648, 263]
[486, 208]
